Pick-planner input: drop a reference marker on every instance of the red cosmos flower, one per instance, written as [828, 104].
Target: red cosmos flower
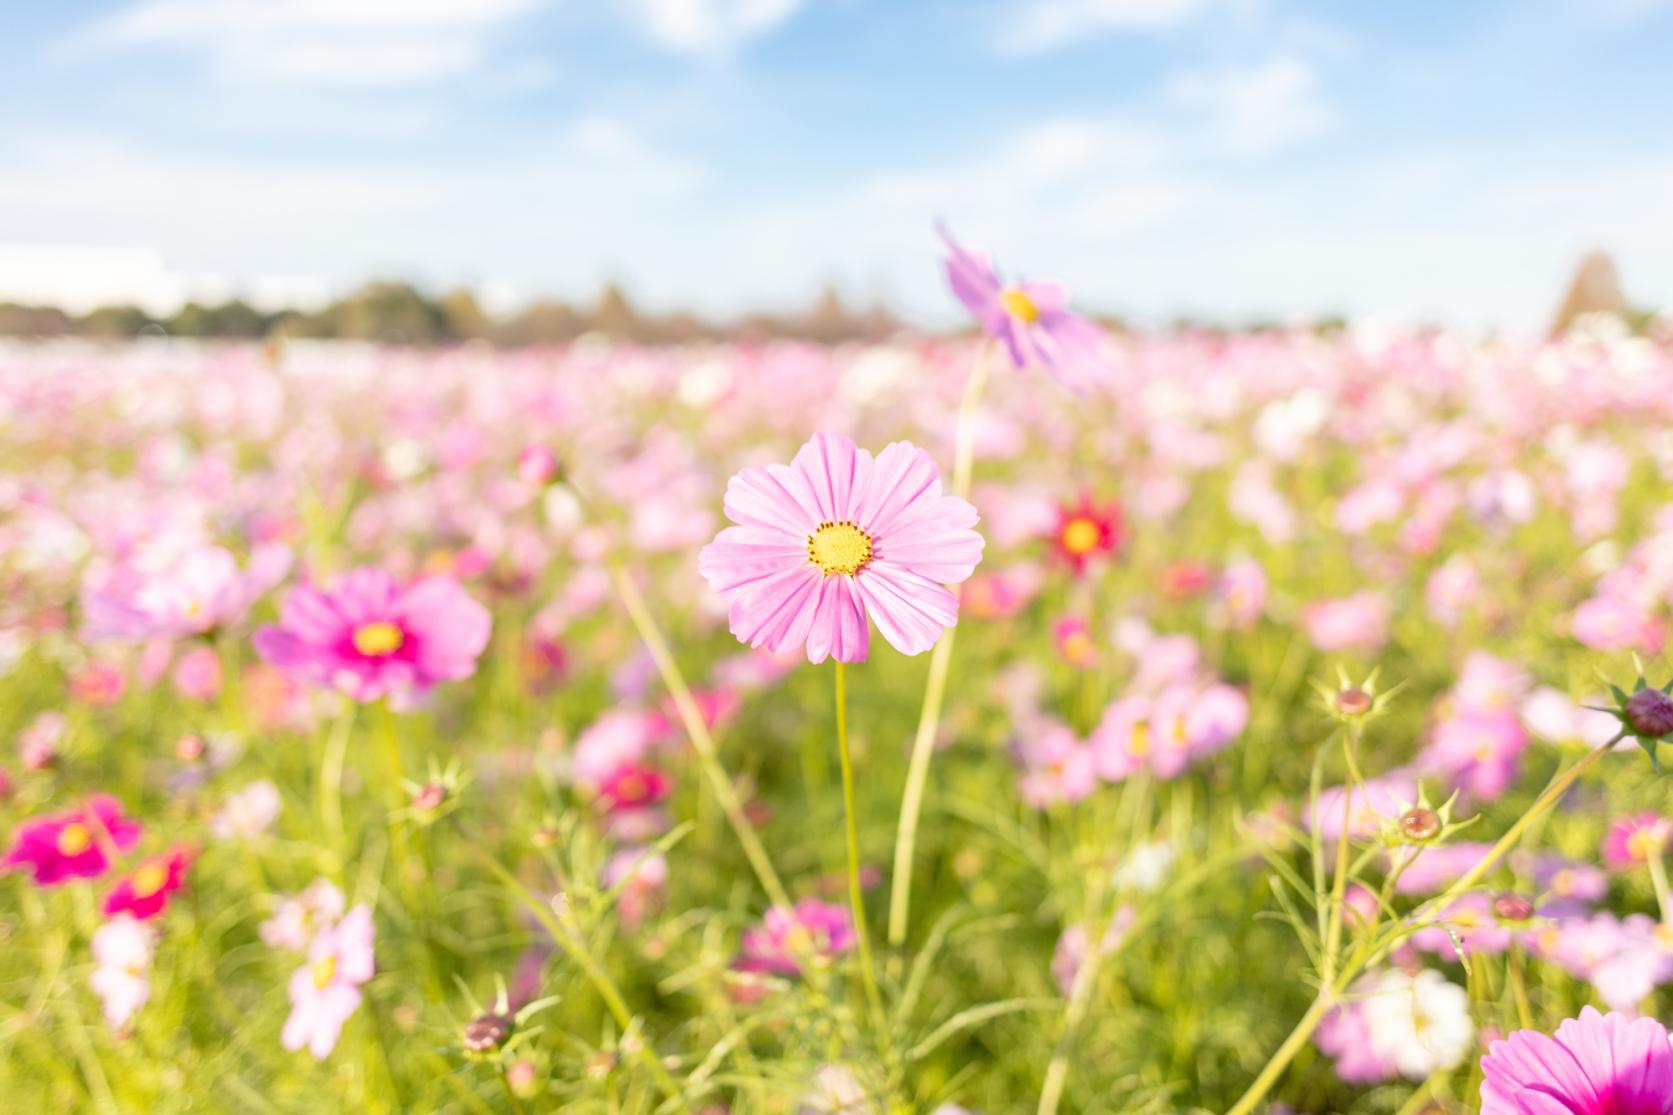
[74, 844]
[1185, 579]
[144, 894]
[631, 786]
[1086, 531]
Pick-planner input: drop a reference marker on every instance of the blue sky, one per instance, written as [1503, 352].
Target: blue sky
[1225, 158]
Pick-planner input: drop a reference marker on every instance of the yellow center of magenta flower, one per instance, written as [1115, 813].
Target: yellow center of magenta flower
[323, 970]
[1019, 306]
[1140, 746]
[1081, 535]
[74, 839]
[1643, 844]
[375, 640]
[149, 879]
[839, 548]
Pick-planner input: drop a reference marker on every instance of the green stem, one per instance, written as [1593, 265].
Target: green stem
[935, 687]
[1330, 993]
[1339, 886]
[331, 778]
[698, 732]
[1658, 879]
[510, 1094]
[855, 898]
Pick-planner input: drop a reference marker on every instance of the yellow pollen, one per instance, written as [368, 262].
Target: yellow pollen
[324, 970]
[74, 839]
[1643, 844]
[1140, 746]
[1019, 306]
[839, 548]
[149, 879]
[1081, 535]
[375, 640]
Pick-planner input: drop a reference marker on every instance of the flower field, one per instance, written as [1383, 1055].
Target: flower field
[1035, 721]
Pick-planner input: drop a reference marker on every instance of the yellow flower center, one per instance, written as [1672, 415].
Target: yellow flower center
[74, 839]
[839, 548]
[1081, 535]
[375, 640]
[324, 970]
[1643, 844]
[1140, 747]
[1019, 306]
[149, 879]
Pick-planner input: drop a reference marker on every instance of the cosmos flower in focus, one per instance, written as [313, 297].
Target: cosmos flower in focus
[1087, 531]
[145, 894]
[325, 991]
[837, 537]
[370, 637]
[1030, 318]
[74, 844]
[1596, 1064]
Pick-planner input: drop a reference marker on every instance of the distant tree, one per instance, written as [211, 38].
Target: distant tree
[114, 321]
[541, 323]
[33, 321]
[383, 311]
[462, 317]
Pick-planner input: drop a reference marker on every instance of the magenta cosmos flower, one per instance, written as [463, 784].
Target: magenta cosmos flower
[1031, 318]
[834, 537]
[145, 894]
[370, 636]
[74, 844]
[1594, 1065]
[813, 932]
[325, 992]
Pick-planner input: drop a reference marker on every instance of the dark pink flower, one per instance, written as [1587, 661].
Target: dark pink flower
[145, 893]
[74, 844]
[813, 932]
[371, 637]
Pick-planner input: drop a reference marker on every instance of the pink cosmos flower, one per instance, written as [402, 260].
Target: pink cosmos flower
[1631, 841]
[1477, 750]
[1031, 318]
[325, 991]
[813, 932]
[195, 592]
[198, 674]
[1056, 766]
[1358, 622]
[1070, 953]
[1372, 802]
[1594, 1065]
[121, 978]
[643, 877]
[74, 844]
[371, 637]
[145, 894]
[838, 536]
[1473, 920]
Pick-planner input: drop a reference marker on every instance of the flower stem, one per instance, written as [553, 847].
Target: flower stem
[698, 732]
[1658, 879]
[855, 898]
[510, 1093]
[935, 688]
[331, 778]
[1329, 994]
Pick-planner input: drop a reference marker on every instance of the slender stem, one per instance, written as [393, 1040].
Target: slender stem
[1329, 994]
[855, 898]
[935, 688]
[698, 732]
[1339, 886]
[331, 778]
[1080, 997]
[1658, 879]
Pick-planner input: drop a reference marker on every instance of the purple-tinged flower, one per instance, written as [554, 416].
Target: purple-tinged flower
[1030, 318]
[1593, 1065]
[371, 637]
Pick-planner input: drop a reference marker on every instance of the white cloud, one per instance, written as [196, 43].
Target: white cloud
[323, 42]
[710, 27]
[1030, 26]
[1256, 109]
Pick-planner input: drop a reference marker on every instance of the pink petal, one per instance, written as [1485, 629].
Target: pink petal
[901, 474]
[909, 610]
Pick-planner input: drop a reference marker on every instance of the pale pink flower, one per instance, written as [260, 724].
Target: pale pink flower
[838, 536]
[1358, 622]
[122, 950]
[325, 991]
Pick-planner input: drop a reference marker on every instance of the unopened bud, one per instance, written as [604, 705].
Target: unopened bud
[1512, 907]
[1650, 713]
[429, 797]
[1420, 824]
[487, 1032]
[1353, 701]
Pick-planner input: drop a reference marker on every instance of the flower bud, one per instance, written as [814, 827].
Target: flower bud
[430, 797]
[1420, 824]
[1512, 907]
[1353, 701]
[486, 1033]
[1649, 712]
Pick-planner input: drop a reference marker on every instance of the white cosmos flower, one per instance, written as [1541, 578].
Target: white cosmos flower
[1420, 1022]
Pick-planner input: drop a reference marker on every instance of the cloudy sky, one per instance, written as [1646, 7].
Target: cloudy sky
[1226, 158]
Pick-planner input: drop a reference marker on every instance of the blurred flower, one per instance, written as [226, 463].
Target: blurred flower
[248, 812]
[74, 844]
[1398, 1024]
[835, 537]
[1594, 1065]
[1358, 622]
[1070, 953]
[1632, 841]
[642, 875]
[1057, 767]
[1087, 531]
[198, 674]
[122, 950]
[1030, 318]
[325, 991]
[145, 893]
[370, 637]
[299, 918]
[812, 933]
